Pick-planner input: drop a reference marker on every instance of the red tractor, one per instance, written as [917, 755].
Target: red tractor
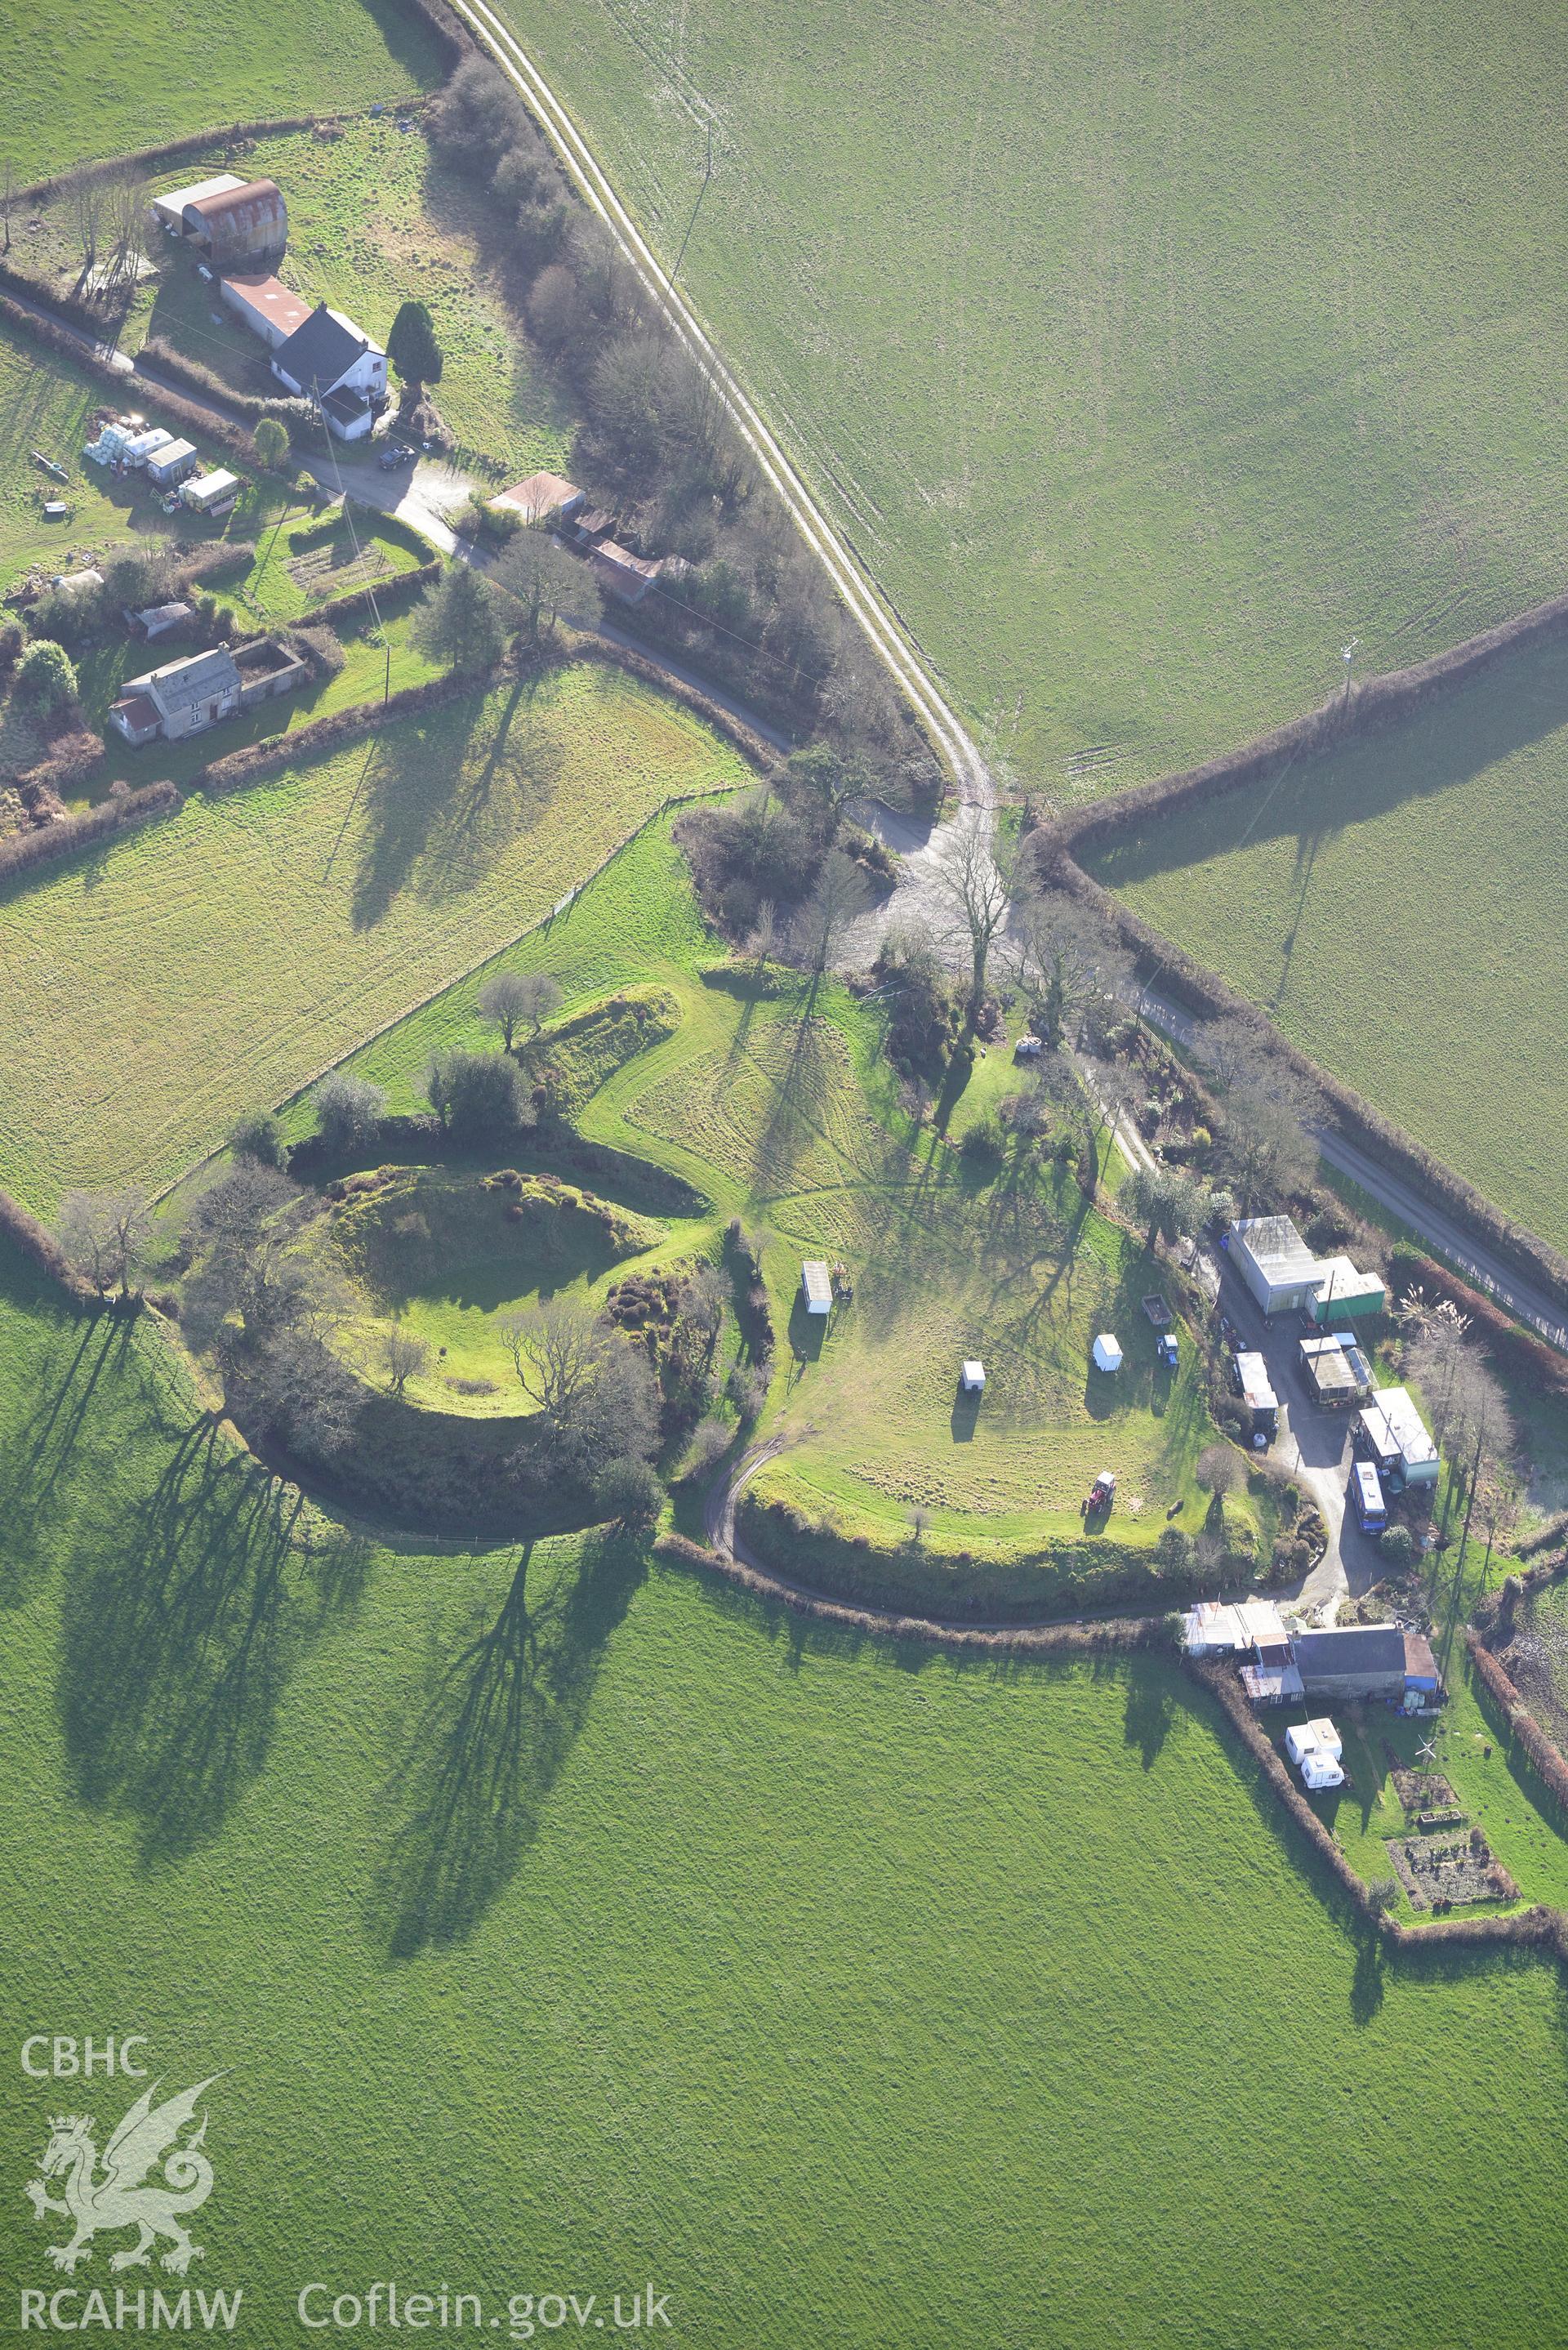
[1102, 1494]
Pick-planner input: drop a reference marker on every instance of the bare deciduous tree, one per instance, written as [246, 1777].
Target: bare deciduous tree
[1266, 1148]
[977, 883]
[1066, 959]
[88, 209]
[702, 1296]
[103, 1233]
[403, 1356]
[834, 905]
[1231, 1045]
[1219, 1469]
[764, 933]
[514, 997]
[545, 583]
[127, 223]
[557, 1353]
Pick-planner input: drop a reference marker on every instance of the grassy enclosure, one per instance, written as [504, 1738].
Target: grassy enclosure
[45, 404]
[166, 985]
[448, 1256]
[1430, 978]
[98, 80]
[1147, 355]
[775, 1929]
[776, 1104]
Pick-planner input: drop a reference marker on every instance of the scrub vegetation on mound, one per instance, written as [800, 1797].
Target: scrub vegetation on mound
[941, 1945]
[447, 1257]
[172, 983]
[1435, 989]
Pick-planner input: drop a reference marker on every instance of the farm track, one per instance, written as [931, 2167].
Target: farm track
[741, 1566]
[885, 638]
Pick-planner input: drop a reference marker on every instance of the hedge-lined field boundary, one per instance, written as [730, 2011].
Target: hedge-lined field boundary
[402, 588]
[39, 1244]
[1516, 1350]
[298, 415]
[1129, 1633]
[1542, 1929]
[1372, 703]
[173, 150]
[253, 762]
[1021, 1580]
[1545, 1756]
[169, 407]
[47, 843]
[1377, 702]
[1495, 1618]
[582, 644]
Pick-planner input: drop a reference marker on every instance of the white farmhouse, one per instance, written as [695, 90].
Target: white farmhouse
[329, 360]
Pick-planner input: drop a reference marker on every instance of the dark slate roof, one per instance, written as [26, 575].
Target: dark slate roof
[322, 350]
[346, 405]
[1352, 1649]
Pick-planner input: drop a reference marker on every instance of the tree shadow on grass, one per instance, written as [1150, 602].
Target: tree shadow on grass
[444, 796]
[1150, 1713]
[499, 1720]
[177, 1642]
[505, 788]
[1366, 1985]
[36, 1452]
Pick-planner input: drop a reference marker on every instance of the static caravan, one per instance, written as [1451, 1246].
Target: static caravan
[816, 1285]
[1366, 1498]
[212, 493]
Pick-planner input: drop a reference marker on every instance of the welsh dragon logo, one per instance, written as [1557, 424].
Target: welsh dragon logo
[122, 2195]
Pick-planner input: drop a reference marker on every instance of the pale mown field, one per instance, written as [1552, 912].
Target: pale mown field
[209, 964]
[1147, 354]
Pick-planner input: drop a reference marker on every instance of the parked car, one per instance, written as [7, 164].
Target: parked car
[204, 274]
[393, 456]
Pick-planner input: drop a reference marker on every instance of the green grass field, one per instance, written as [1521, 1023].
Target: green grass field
[1146, 355]
[564, 1935]
[101, 81]
[213, 961]
[1429, 978]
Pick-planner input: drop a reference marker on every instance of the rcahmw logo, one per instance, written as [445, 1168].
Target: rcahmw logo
[152, 2175]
